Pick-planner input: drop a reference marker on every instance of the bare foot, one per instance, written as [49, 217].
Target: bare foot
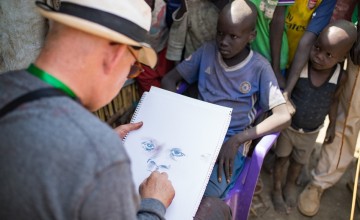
[290, 194]
[278, 201]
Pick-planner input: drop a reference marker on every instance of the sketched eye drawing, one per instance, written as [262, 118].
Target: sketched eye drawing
[148, 145]
[176, 152]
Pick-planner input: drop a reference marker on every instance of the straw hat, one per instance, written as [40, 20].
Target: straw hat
[123, 21]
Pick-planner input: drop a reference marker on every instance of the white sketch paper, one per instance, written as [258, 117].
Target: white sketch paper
[181, 136]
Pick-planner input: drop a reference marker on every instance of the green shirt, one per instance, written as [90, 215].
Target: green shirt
[261, 43]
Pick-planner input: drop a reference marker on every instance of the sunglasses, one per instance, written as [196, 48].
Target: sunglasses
[136, 68]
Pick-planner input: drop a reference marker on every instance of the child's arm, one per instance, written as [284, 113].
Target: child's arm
[330, 132]
[299, 61]
[279, 120]
[170, 80]
[315, 26]
[301, 57]
[276, 33]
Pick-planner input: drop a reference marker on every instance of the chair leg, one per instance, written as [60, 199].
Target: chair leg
[257, 197]
[261, 204]
[253, 211]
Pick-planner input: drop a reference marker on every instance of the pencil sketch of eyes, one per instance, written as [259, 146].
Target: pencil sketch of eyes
[160, 156]
[175, 153]
[148, 145]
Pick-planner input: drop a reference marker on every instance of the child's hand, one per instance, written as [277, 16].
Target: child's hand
[290, 107]
[226, 158]
[330, 134]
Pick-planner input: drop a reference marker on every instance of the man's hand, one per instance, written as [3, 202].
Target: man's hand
[158, 186]
[226, 158]
[123, 130]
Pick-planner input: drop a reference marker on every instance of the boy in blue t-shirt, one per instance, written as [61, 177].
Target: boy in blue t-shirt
[230, 74]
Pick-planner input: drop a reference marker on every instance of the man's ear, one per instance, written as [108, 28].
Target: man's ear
[113, 55]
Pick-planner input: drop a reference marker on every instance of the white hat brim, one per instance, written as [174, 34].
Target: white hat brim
[147, 55]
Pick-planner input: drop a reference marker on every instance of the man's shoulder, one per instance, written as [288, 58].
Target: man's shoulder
[12, 74]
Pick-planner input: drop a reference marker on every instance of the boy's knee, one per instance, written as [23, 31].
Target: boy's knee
[212, 208]
[215, 189]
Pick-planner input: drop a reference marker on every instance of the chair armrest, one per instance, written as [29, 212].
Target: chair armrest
[181, 87]
[240, 196]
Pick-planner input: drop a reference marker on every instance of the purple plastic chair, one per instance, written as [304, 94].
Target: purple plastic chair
[240, 196]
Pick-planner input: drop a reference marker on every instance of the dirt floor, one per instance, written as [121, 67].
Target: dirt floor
[335, 204]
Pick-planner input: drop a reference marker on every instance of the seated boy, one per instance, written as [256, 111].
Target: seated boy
[315, 95]
[230, 74]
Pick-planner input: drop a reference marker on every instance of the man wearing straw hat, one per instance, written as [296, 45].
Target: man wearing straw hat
[57, 160]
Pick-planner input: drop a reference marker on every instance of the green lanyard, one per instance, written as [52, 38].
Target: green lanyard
[46, 77]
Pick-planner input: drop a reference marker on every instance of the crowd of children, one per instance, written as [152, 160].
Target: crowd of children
[244, 54]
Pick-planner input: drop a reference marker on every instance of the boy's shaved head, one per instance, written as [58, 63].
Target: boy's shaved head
[333, 45]
[241, 12]
[235, 30]
[342, 33]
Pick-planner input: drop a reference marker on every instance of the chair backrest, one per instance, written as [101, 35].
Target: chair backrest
[240, 196]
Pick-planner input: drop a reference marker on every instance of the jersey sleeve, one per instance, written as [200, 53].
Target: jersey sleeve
[270, 93]
[189, 68]
[321, 17]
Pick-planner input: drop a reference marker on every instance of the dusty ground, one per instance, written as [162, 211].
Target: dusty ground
[335, 203]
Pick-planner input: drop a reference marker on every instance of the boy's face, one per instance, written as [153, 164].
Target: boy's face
[326, 53]
[232, 37]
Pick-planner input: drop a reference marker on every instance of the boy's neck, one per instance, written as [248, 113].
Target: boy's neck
[321, 72]
[319, 77]
[238, 58]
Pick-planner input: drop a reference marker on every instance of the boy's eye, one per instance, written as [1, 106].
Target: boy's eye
[233, 36]
[329, 55]
[219, 33]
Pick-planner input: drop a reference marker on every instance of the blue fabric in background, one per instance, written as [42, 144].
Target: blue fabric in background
[171, 6]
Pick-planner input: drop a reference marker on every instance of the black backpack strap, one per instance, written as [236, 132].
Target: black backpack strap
[31, 96]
